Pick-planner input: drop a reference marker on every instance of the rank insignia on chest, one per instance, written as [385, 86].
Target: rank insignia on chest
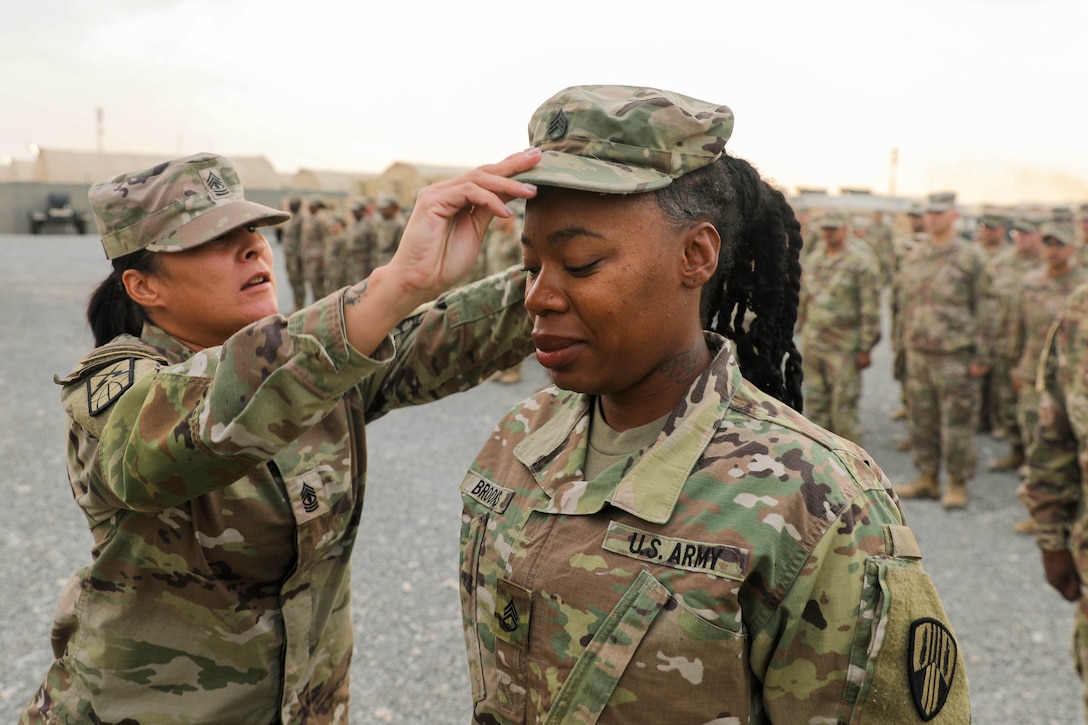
[513, 606]
[931, 666]
[108, 384]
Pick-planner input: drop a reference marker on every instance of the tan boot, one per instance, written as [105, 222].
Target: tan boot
[925, 486]
[900, 414]
[955, 493]
[903, 445]
[1010, 462]
[1027, 526]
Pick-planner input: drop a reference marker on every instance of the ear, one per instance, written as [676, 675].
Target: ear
[703, 243]
[142, 288]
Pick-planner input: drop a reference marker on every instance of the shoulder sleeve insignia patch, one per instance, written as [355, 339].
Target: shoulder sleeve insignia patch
[931, 666]
[106, 385]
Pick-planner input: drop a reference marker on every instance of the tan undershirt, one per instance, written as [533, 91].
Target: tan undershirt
[608, 446]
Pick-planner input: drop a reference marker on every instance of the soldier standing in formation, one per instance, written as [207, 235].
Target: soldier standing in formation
[360, 240]
[1054, 492]
[336, 250]
[991, 235]
[948, 326]
[879, 238]
[388, 228]
[315, 231]
[838, 318]
[1007, 270]
[904, 247]
[290, 235]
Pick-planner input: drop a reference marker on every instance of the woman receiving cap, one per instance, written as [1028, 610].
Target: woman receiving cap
[217, 449]
[660, 537]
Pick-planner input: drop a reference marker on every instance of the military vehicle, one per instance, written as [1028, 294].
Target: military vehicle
[58, 212]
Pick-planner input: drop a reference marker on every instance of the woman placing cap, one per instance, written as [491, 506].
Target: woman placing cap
[218, 450]
[660, 537]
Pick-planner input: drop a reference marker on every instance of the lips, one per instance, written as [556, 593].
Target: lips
[553, 351]
[257, 279]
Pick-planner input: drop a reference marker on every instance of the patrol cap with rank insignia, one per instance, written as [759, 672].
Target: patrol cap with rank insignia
[175, 205]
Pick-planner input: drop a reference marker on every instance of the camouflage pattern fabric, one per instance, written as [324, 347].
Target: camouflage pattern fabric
[1054, 492]
[879, 239]
[904, 248]
[291, 238]
[387, 233]
[839, 318]
[336, 259]
[1007, 270]
[361, 241]
[623, 139]
[315, 231]
[1034, 310]
[748, 567]
[949, 320]
[223, 490]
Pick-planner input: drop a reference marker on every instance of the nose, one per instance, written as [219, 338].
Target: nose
[543, 294]
[253, 244]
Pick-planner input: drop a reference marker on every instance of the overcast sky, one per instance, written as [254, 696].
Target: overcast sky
[986, 97]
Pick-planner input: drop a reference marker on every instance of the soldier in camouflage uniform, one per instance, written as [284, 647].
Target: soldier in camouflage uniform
[992, 238]
[879, 238]
[336, 255]
[838, 318]
[291, 238]
[904, 247]
[1038, 302]
[655, 538]
[1054, 493]
[388, 228]
[217, 449]
[360, 241]
[1008, 269]
[949, 321]
[314, 233]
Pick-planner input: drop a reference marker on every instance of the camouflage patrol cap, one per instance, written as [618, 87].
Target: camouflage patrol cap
[1062, 231]
[176, 205]
[624, 139]
[1028, 224]
[916, 209]
[833, 219]
[993, 217]
[1061, 214]
[941, 201]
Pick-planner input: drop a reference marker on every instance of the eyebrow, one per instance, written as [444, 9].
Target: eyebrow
[563, 235]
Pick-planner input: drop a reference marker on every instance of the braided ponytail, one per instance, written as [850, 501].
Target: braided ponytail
[752, 298]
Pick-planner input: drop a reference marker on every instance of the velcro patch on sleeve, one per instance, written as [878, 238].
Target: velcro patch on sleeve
[719, 560]
[108, 384]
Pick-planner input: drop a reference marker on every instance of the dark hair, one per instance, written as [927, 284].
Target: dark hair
[759, 268]
[110, 311]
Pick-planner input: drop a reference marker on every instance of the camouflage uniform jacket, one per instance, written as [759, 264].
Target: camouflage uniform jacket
[1054, 492]
[839, 308]
[313, 232]
[1007, 269]
[223, 489]
[291, 234]
[1035, 307]
[748, 567]
[947, 302]
[387, 234]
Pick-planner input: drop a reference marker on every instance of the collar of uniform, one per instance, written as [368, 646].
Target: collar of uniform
[170, 346]
[651, 487]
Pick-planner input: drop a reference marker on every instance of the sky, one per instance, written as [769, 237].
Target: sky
[983, 97]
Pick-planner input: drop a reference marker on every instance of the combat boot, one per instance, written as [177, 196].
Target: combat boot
[1027, 526]
[955, 493]
[1010, 462]
[925, 486]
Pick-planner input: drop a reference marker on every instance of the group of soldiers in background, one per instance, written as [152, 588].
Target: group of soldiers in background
[324, 252]
[970, 316]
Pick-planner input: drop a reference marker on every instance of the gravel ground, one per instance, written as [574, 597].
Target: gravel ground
[408, 667]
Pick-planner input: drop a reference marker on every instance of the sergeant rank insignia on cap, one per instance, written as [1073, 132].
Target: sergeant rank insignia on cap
[107, 385]
[931, 666]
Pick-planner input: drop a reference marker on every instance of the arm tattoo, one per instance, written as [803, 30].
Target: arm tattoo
[355, 294]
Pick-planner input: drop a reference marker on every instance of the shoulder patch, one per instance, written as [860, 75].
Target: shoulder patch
[931, 665]
[108, 384]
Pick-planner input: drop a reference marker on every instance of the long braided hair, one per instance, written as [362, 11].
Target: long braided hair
[110, 311]
[753, 296]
